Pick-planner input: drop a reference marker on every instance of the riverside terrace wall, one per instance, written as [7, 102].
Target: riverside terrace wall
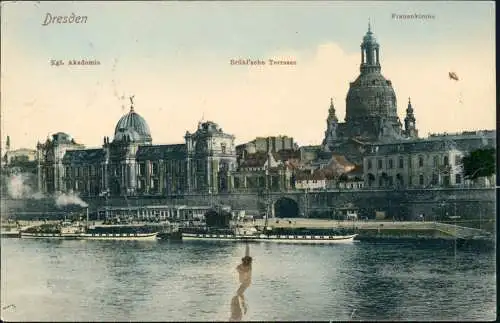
[402, 204]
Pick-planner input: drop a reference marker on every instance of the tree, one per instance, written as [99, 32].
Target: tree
[479, 163]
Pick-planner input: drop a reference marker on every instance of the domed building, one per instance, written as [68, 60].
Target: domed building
[130, 165]
[371, 104]
[133, 127]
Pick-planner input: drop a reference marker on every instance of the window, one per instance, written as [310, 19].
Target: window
[458, 159]
[379, 164]
[223, 148]
[435, 179]
[142, 169]
[154, 168]
[421, 179]
[390, 181]
[410, 162]
[369, 164]
[458, 179]
[410, 180]
[420, 161]
[401, 162]
[155, 184]
[92, 170]
[68, 172]
[391, 163]
[446, 160]
[435, 161]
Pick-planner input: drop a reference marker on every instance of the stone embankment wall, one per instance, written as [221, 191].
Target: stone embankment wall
[435, 204]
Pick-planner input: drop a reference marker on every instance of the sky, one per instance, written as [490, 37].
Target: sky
[174, 57]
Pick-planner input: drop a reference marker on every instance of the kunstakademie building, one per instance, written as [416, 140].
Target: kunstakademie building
[372, 148]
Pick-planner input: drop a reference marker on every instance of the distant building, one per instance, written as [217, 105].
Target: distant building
[19, 155]
[337, 173]
[266, 163]
[261, 171]
[265, 144]
[16, 156]
[422, 163]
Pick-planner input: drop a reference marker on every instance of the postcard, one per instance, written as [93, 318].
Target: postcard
[248, 161]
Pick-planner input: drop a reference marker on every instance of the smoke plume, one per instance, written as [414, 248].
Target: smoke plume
[18, 187]
[69, 199]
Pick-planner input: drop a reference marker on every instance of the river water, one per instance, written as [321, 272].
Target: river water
[167, 281]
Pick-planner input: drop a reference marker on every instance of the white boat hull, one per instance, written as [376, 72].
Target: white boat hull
[148, 236]
[295, 239]
[123, 236]
[69, 236]
[309, 239]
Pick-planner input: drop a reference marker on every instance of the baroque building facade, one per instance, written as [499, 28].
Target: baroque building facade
[130, 164]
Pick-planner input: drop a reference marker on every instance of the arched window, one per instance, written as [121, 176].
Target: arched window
[445, 160]
[420, 161]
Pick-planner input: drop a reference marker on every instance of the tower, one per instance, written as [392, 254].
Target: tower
[370, 59]
[7, 150]
[410, 127]
[331, 128]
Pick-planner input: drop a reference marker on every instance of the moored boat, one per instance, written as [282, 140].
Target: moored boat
[218, 234]
[307, 239]
[10, 233]
[249, 234]
[64, 230]
[139, 231]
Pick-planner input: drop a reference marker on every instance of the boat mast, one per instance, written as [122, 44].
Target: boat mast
[268, 193]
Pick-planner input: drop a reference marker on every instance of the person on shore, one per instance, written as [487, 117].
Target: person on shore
[238, 304]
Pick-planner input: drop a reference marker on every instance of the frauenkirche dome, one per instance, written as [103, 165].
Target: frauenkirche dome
[371, 106]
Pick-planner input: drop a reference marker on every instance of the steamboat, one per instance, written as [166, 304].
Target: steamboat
[110, 229]
[63, 230]
[227, 229]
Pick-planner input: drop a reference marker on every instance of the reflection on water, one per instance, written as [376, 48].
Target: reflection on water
[152, 281]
